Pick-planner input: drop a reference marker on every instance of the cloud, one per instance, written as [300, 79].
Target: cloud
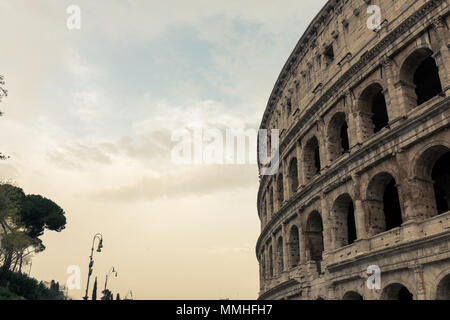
[204, 180]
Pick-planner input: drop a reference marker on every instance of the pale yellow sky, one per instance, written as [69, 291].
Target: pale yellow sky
[88, 124]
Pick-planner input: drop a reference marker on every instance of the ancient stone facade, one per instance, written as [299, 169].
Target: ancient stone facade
[364, 178]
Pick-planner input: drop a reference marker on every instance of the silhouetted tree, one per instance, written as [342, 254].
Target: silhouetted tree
[23, 219]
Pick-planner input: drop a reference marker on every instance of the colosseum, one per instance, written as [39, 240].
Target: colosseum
[360, 206]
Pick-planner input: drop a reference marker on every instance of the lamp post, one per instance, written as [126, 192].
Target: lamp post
[129, 293]
[108, 274]
[91, 260]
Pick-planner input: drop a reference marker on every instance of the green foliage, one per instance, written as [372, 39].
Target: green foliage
[5, 294]
[23, 219]
[38, 213]
[29, 288]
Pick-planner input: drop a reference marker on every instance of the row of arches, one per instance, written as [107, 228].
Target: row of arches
[399, 291]
[419, 80]
[382, 211]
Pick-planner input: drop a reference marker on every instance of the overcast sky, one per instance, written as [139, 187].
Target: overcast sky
[88, 124]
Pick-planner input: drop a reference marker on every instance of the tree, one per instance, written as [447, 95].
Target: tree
[107, 295]
[94, 291]
[23, 219]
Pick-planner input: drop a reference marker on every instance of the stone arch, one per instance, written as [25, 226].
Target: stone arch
[280, 190]
[293, 175]
[314, 237]
[396, 291]
[443, 286]
[311, 158]
[373, 110]
[433, 173]
[280, 255]
[419, 77]
[344, 220]
[338, 138]
[294, 247]
[352, 295]
[383, 203]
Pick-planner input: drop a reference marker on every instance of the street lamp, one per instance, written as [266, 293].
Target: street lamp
[108, 274]
[91, 260]
[129, 293]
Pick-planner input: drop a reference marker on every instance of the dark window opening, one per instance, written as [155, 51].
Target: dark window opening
[405, 295]
[329, 54]
[392, 210]
[380, 117]
[441, 178]
[288, 106]
[427, 81]
[317, 159]
[345, 144]
[351, 227]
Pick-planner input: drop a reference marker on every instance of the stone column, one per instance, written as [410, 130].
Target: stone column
[323, 145]
[275, 194]
[396, 108]
[285, 248]
[442, 57]
[299, 153]
[286, 192]
[327, 238]
[302, 239]
[420, 282]
[354, 130]
[360, 218]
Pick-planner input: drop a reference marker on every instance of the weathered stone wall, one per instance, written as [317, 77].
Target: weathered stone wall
[364, 117]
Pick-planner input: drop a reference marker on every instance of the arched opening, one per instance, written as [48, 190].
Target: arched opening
[380, 117]
[427, 81]
[420, 78]
[280, 264]
[293, 175]
[314, 236]
[338, 141]
[384, 210]
[396, 291]
[280, 190]
[294, 247]
[345, 227]
[433, 173]
[441, 178]
[373, 110]
[312, 158]
[443, 289]
[352, 295]
[270, 262]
